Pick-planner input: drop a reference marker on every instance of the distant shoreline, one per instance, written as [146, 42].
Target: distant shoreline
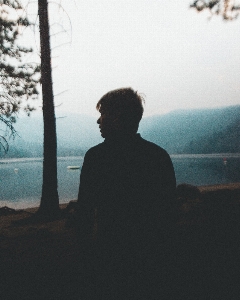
[215, 187]
[182, 155]
[22, 159]
[209, 155]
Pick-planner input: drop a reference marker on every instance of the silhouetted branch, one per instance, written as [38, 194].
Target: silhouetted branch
[4, 144]
[60, 93]
[60, 45]
[58, 105]
[225, 8]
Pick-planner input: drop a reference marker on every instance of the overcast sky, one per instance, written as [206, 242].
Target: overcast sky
[173, 55]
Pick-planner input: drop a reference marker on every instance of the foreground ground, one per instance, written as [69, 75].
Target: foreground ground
[40, 260]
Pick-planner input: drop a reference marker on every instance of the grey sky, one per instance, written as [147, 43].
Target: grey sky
[173, 55]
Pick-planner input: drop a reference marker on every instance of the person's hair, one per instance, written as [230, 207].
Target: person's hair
[126, 103]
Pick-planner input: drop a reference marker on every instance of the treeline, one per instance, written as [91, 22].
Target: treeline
[224, 141]
[37, 151]
[195, 131]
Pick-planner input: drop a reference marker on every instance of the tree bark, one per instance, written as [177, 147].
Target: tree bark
[49, 201]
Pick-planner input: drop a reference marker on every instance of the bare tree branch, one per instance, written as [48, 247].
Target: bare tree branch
[228, 9]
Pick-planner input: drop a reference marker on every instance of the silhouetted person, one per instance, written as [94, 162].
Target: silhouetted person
[127, 202]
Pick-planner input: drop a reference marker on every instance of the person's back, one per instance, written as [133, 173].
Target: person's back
[134, 185]
[128, 184]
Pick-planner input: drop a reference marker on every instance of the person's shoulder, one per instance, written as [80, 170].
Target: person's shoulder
[152, 147]
[95, 150]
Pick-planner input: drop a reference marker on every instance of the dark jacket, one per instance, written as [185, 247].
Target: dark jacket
[129, 184]
[127, 197]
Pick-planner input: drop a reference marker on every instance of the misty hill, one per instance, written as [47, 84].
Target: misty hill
[181, 131]
[75, 133]
[195, 131]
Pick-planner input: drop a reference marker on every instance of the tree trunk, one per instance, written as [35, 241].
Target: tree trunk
[49, 201]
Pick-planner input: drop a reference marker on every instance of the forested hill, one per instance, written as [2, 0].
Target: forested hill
[75, 134]
[180, 131]
[195, 131]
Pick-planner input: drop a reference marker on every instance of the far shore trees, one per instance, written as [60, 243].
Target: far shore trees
[18, 78]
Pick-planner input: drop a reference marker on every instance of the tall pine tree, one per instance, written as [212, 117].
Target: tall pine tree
[49, 205]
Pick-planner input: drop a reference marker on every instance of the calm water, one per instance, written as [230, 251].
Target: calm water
[21, 179]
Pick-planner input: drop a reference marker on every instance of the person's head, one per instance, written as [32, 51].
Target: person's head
[121, 111]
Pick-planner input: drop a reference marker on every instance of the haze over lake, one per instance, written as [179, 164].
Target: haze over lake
[21, 179]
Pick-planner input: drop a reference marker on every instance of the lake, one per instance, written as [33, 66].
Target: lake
[21, 179]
